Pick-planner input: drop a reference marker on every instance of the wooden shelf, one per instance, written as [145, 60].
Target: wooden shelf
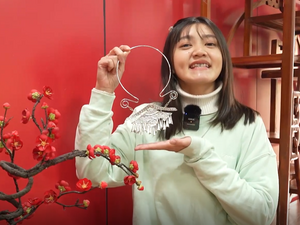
[274, 137]
[274, 21]
[283, 24]
[261, 61]
[296, 94]
[293, 188]
[276, 74]
[293, 185]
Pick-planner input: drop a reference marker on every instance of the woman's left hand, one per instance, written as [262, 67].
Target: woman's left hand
[174, 145]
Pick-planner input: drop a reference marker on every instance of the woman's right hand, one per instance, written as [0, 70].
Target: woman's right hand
[106, 73]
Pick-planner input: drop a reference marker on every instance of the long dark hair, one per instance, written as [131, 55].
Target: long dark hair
[230, 110]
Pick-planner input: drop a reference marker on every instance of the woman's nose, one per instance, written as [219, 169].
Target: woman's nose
[199, 51]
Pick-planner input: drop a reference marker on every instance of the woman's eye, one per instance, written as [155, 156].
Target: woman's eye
[211, 44]
[185, 45]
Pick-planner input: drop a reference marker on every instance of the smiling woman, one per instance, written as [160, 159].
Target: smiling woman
[224, 171]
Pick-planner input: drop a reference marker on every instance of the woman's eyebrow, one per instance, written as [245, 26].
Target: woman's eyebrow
[185, 37]
[202, 36]
[208, 36]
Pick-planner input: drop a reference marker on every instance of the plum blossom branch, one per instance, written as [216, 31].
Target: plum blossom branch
[33, 112]
[44, 152]
[21, 172]
[20, 193]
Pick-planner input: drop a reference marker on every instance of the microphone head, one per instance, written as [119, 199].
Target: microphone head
[191, 117]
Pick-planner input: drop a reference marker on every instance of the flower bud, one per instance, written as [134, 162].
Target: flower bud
[106, 152]
[34, 95]
[117, 159]
[86, 203]
[44, 105]
[25, 116]
[97, 148]
[103, 185]
[6, 105]
[140, 188]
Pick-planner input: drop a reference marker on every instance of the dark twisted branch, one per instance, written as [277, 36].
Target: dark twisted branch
[12, 217]
[70, 155]
[76, 203]
[1, 133]
[15, 199]
[21, 172]
[9, 216]
[20, 193]
[11, 201]
[18, 171]
[33, 113]
[13, 169]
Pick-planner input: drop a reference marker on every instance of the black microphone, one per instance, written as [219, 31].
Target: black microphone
[191, 117]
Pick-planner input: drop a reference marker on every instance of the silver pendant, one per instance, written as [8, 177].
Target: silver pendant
[151, 118]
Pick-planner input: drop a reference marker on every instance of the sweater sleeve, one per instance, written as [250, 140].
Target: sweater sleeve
[248, 194]
[95, 127]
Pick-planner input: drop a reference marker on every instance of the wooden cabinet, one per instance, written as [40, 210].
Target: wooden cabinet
[287, 21]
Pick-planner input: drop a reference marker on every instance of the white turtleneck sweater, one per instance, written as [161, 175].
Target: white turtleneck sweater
[207, 103]
[222, 178]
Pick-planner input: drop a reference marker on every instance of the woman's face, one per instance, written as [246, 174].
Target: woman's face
[197, 60]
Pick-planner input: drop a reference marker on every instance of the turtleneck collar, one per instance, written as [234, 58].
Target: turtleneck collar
[208, 103]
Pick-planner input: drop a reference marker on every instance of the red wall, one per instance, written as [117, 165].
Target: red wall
[58, 43]
[55, 43]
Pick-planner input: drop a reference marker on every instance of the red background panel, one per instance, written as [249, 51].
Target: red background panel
[55, 43]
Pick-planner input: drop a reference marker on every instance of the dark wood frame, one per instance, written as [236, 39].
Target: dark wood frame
[285, 22]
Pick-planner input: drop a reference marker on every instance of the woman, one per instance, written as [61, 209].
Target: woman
[221, 172]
